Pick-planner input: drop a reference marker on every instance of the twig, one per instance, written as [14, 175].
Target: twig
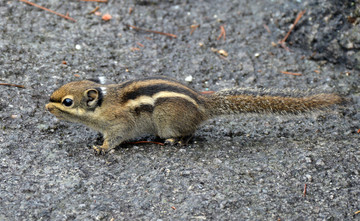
[357, 212]
[207, 92]
[222, 33]
[193, 28]
[267, 28]
[12, 85]
[291, 73]
[156, 32]
[141, 45]
[305, 188]
[134, 49]
[101, 1]
[94, 10]
[141, 142]
[49, 10]
[282, 42]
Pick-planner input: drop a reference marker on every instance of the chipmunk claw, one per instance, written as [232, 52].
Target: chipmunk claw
[182, 141]
[171, 141]
[99, 150]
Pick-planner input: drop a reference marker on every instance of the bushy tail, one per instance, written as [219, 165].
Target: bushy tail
[244, 100]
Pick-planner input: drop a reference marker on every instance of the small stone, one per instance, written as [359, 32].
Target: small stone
[320, 163]
[308, 177]
[189, 78]
[217, 161]
[223, 53]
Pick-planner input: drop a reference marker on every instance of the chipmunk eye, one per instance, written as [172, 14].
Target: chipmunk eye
[67, 102]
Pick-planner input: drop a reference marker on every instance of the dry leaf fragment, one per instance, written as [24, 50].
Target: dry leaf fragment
[106, 17]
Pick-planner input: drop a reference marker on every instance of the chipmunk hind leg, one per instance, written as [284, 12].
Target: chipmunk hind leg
[176, 119]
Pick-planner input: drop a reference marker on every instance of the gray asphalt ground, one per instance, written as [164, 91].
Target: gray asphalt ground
[244, 167]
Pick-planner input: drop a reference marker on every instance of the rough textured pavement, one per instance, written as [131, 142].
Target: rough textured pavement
[237, 168]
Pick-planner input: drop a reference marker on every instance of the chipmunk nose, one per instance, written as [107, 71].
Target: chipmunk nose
[49, 107]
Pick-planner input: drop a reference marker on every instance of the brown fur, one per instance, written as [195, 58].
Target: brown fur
[166, 108]
[235, 104]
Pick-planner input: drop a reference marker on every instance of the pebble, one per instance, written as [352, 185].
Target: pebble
[189, 78]
[308, 177]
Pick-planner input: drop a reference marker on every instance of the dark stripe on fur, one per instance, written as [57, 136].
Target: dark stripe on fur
[144, 108]
[150, 90]
[127, 83]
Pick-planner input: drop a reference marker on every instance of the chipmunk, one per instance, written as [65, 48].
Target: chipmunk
[166, 108]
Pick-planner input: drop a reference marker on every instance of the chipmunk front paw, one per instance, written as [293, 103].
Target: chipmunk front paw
[101, 150]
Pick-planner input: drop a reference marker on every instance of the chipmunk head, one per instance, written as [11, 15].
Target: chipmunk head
[76, 101]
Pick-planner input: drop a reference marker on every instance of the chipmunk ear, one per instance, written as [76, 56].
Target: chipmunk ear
[93, 97]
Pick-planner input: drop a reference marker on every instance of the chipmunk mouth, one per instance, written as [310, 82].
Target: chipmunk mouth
[55, 111]
[72, 115]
